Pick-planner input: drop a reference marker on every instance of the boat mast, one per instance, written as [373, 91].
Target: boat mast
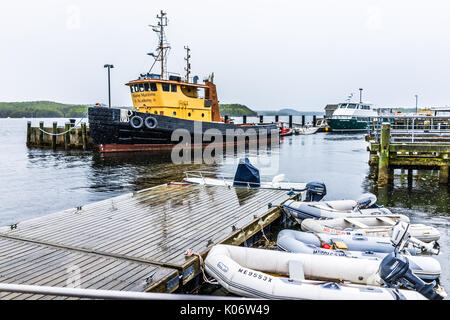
[163, 46]
[188, 64]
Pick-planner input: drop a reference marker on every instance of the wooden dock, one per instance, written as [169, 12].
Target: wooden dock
[136, 241]
[423, 150]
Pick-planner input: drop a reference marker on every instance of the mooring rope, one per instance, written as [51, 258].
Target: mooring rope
[189, 253]
[62, 133]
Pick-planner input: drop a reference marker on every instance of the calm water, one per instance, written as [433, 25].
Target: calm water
[36, 182]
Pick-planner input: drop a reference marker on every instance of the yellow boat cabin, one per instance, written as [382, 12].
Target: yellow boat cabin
[175, 98]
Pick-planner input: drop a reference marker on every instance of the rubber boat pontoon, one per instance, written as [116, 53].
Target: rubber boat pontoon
[247, 272]
[246, 176]
[380, 226]
[365, 205]
[425, 267]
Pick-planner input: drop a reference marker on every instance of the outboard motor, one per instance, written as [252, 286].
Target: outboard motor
[394, 268]
[246, 175]
[315, 191]
[367, 200]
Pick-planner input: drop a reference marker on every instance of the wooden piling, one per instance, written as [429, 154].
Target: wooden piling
[261, 119]
[67, 136]
[443, 171]
[244, 119]
[55, 131]
[314, 120]
[276, 118]
[303, 120]
[28, 133]
[84, 135]
[41, 134]
[290, 121]
[383, 160]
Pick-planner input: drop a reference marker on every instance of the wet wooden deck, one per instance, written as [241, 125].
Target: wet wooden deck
[135, 241]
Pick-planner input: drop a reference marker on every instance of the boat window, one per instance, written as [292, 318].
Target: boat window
[173, 88]
[153, 86]
[365, 107]
[343, 106]
[351, 106]
[203, 115]
[146, 87]
[165, 86]
[189, 114]
[174, 113]
[131, 89]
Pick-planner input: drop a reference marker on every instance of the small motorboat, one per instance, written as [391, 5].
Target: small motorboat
[246, 176]
[250, 272]
[365, 205]
[286, 131]
[306, 130]
[426, 268]
[379, 225]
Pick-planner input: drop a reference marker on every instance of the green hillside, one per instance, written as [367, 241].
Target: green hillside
[41, 109]
[236, 110]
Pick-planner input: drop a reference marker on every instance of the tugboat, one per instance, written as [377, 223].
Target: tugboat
[163, 103]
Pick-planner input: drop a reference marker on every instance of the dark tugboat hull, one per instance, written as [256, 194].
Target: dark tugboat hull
[111, 129]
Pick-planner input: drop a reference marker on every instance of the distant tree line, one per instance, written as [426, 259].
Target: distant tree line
[41, 109]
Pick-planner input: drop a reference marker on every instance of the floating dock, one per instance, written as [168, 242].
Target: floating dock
[134, 242]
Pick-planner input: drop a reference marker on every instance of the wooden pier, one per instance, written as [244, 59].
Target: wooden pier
[409, 150]
[134, 242]
[54, 137]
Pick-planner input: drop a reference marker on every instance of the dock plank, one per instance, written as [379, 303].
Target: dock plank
[130, 236]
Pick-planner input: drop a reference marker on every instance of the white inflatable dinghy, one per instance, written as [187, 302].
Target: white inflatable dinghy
[366, 205]
[426, 268]
[245, 272]
[379, 226]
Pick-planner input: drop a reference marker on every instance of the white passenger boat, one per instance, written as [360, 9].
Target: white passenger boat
[249, 272]
[246, 176]
[365, 205]
[379, 225]
[425, 267]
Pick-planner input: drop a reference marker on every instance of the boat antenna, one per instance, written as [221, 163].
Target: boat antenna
[188, 64]
[163, 44]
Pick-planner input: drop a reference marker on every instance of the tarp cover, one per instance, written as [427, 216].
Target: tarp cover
[246, 172]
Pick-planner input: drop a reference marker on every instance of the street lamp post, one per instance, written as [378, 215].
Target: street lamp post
[416, 101]
[109, 66]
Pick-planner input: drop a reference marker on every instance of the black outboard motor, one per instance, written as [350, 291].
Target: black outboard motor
[315, 191]
[394, 268]
[246, 175]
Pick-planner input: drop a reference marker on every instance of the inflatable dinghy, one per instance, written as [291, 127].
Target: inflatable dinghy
[245, 272]
[366, 205]
[379, 226]
[426, 268]
[246, 176]
[361, 242]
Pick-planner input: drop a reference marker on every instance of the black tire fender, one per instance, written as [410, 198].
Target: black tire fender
[151, 122]
[139, 120]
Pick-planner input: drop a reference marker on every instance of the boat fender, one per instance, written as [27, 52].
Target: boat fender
[136, 122]
[151, 122]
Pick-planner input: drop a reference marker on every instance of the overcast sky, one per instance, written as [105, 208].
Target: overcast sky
[265, 54]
